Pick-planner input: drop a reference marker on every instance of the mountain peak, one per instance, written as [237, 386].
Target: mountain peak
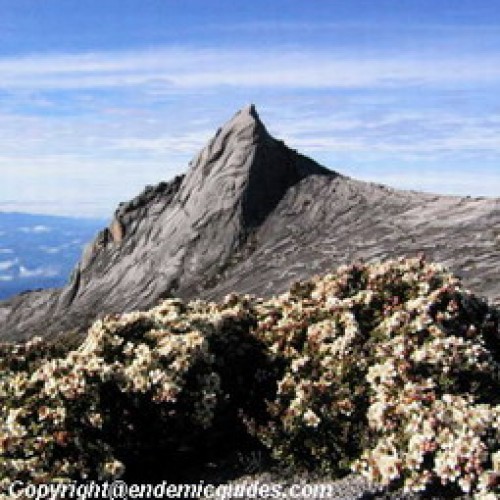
[246, 118]
[175, 238]
[246, 167]
[250, 110]
[252, 215]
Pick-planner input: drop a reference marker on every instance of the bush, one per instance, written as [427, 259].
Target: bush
[142, 390]
[389, 369]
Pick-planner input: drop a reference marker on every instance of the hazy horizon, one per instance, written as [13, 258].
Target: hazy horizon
[99, 99]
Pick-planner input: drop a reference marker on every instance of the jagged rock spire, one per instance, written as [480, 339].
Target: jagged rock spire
[175, 238]
[252, 216]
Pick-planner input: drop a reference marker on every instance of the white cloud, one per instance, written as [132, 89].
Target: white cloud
[69, 162]
[38, 272]
[7, 264]
[6, 277]
[38, 229]
[86, 185]
[182, 68]
[51, 250]
[404, 135]
[78, 185]
[189, 142]
[458, 183]
[57, 249]
[6, 251]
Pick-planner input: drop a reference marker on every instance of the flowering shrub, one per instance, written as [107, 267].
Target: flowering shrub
[389, 369]
[139, 383]
[317, 416]
[435, 389]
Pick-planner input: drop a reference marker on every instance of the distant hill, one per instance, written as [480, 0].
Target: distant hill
[252, 215]
[40, 251]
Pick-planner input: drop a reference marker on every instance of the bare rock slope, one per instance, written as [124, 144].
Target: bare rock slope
[252, 216]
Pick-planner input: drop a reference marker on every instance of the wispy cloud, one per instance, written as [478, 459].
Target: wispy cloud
[38, 272]
[8, 264]
[454, 183]
[76, 184]
[51, 250]
[419, 134]
[38, 229]
[341, 129]
[189, 142]
[75, 123]
[186, 68]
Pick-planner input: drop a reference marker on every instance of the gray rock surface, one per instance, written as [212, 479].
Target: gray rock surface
[252, 216]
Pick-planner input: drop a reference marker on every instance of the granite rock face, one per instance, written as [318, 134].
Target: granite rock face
[252, 216]
[174, 238]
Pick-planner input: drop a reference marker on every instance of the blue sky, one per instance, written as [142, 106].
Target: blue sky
[99, 98]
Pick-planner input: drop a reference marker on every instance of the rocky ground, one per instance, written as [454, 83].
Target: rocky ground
[351, 487]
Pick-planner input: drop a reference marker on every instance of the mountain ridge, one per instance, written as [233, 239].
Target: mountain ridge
[252, 215]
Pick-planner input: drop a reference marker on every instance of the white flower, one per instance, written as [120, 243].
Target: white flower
[311, 419]
[389, 466]
[299, 363]
[495, 459]
[114, 469]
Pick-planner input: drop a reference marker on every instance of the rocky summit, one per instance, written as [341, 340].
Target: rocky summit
[253, 216]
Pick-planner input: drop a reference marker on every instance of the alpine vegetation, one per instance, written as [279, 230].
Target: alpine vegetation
[388, 369]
